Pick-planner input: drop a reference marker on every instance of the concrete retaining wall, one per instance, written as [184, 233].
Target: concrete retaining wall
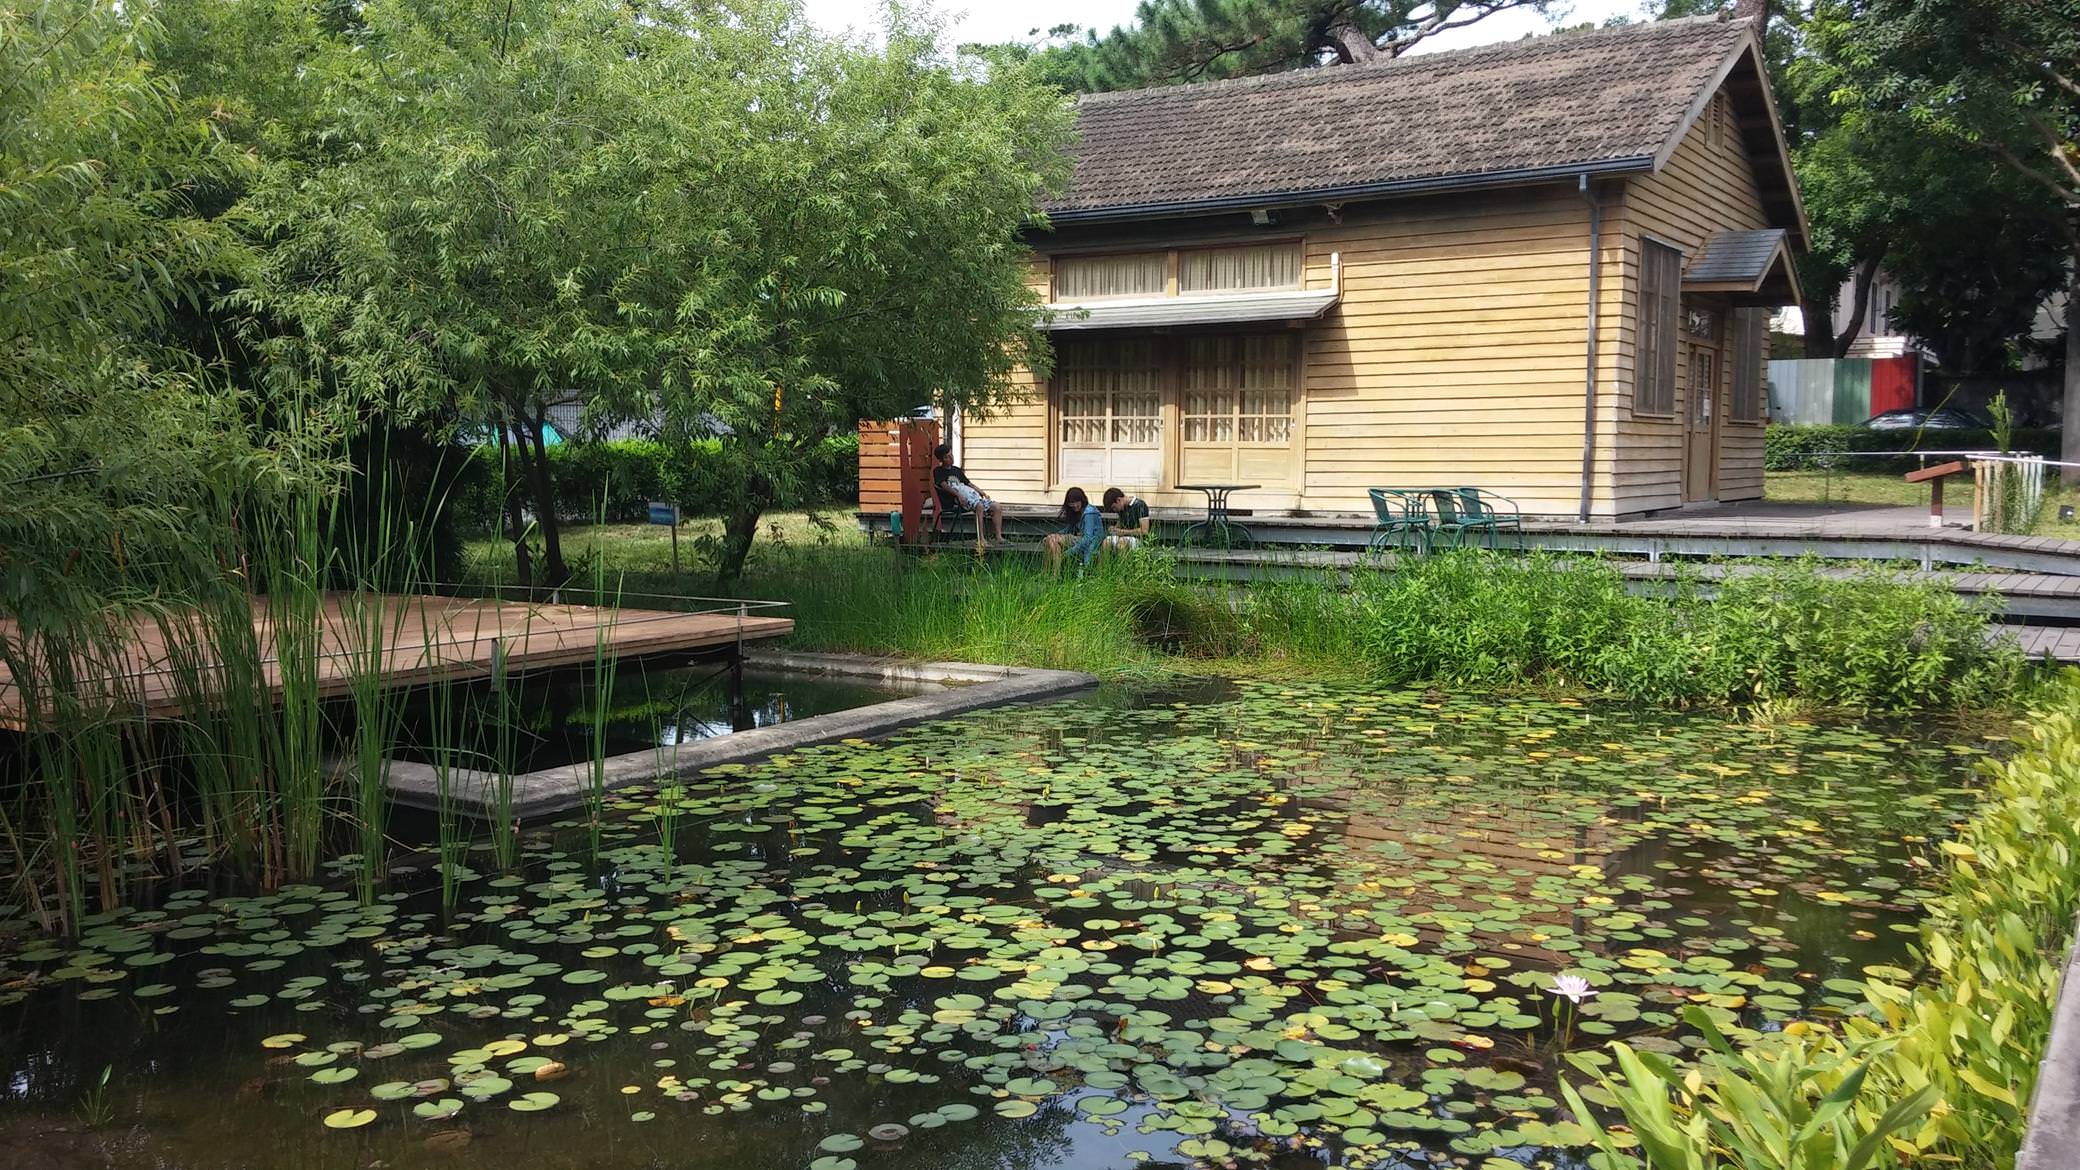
[2052, 1141]
[959, 686]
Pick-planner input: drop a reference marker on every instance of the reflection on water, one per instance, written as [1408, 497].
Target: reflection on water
[1281, 923]
[644, 705]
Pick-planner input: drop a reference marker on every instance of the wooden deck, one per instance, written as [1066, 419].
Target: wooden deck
[424, 639]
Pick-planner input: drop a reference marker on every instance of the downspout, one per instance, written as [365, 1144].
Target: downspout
[1589, 387]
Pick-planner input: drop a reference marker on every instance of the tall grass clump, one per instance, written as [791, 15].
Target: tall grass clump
[1937, 1072]
[1869, 639]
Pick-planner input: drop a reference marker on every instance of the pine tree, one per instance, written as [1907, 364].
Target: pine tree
[1176, 41]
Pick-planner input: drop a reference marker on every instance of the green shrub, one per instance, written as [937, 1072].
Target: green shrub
[1786, 447]
[1472, 618]
[616, 480]
[1939, 1072]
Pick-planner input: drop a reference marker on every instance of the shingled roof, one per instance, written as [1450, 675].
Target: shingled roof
[1603, 101]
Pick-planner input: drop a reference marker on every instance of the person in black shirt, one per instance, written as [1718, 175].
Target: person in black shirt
[951, 483]
[1131, 520]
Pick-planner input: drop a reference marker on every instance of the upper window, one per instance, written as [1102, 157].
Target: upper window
[1660, 280]
[1250, 268]
[1125, 274]
[1199, 272]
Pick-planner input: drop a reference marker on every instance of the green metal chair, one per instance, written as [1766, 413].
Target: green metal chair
[1452, 523]
[1500, 511]
[1403, 520]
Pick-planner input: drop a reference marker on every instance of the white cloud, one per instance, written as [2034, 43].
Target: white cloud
[1006, 20]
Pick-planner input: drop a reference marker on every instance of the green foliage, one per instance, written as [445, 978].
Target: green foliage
[1796, 448]
[111, 441]
[1946, 1066]
[710, 215]
[1468, 619]
[615, 480]
[1176, 41]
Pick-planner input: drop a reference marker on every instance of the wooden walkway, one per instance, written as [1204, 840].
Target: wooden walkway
[424, 639]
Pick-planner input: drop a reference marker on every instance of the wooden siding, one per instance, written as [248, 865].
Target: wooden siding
[1704, 189]
[1456, 354]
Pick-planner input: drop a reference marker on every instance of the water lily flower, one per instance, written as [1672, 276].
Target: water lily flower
[1574, 988]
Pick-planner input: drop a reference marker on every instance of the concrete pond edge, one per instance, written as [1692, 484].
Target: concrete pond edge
[963, 686]
[2051, 1134]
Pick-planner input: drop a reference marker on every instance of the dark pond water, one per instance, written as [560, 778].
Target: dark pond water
[1267, 924]
[550, 717]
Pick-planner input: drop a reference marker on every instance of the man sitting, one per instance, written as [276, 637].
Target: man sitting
[951, 483]
[1131, 522]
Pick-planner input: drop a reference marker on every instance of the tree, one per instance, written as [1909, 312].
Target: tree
[860, 214]
[704, 216]
[1176, 41]
[110, 438]
[2001, 77]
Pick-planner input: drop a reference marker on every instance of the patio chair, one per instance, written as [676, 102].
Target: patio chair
[1452, 522]
[1502, 511]
[1403, 520]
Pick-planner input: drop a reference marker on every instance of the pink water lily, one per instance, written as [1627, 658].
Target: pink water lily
[1574, 988]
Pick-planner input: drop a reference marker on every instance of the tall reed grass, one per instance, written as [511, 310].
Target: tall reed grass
[1797, 630]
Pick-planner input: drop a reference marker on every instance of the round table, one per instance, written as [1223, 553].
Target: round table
[1217, 530]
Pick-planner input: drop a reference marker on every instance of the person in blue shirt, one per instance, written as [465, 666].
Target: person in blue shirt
[1082, 531]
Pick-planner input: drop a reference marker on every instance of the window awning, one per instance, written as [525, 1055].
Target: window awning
[1751, 268]
[1217, 309]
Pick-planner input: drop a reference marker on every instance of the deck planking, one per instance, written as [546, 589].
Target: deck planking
[423, 639]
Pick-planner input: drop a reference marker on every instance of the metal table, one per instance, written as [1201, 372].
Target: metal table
[1217, 530]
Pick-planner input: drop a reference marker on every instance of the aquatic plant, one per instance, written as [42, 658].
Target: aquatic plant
[1223, 919]
[1945, 1065]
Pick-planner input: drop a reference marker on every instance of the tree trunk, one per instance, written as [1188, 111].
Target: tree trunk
[1859, 305]
[738, 529]
[510, 503]
[2069, 412]
[554, 572]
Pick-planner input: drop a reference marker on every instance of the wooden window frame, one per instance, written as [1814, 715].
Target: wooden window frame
[1171, 357]
[1660, 350]
[1742, 351]
[1174, 263]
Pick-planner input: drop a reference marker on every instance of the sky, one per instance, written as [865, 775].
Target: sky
[1007, 20]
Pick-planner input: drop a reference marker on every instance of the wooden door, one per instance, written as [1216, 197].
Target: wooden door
[1702, 410]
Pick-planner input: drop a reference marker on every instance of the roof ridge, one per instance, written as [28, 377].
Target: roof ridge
[1537, 43]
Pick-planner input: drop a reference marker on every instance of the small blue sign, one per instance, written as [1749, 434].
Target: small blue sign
[663, 513]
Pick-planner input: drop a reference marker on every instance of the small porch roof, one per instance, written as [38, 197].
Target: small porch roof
[1301, 304]
[1750, 267]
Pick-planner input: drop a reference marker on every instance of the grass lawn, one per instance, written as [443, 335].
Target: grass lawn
[1863, 487]
[644, 551]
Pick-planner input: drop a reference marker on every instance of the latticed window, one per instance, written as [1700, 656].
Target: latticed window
[1111, 411]
[1239, 389]
[1654, 375]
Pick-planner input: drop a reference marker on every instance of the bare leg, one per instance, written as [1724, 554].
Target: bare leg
[996, 512]
[1053, 547]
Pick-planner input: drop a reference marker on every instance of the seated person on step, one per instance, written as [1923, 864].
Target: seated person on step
[1131, 522]
[951, 483]
[1082, 531]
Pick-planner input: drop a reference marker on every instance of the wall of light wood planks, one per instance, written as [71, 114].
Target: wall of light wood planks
[1456, 355]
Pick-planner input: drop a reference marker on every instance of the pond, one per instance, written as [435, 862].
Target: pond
[1256, 923]
[549, 716]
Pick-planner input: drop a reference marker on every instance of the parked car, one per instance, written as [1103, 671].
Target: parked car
[1943, 418]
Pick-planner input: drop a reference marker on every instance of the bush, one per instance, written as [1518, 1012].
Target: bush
[1798, 448]
[1939, 1072]
[616, 480]
[1471, 618]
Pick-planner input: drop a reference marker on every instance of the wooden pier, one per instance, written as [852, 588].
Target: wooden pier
[424, 639]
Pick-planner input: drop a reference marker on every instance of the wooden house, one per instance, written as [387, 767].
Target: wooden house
[1542, 268]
